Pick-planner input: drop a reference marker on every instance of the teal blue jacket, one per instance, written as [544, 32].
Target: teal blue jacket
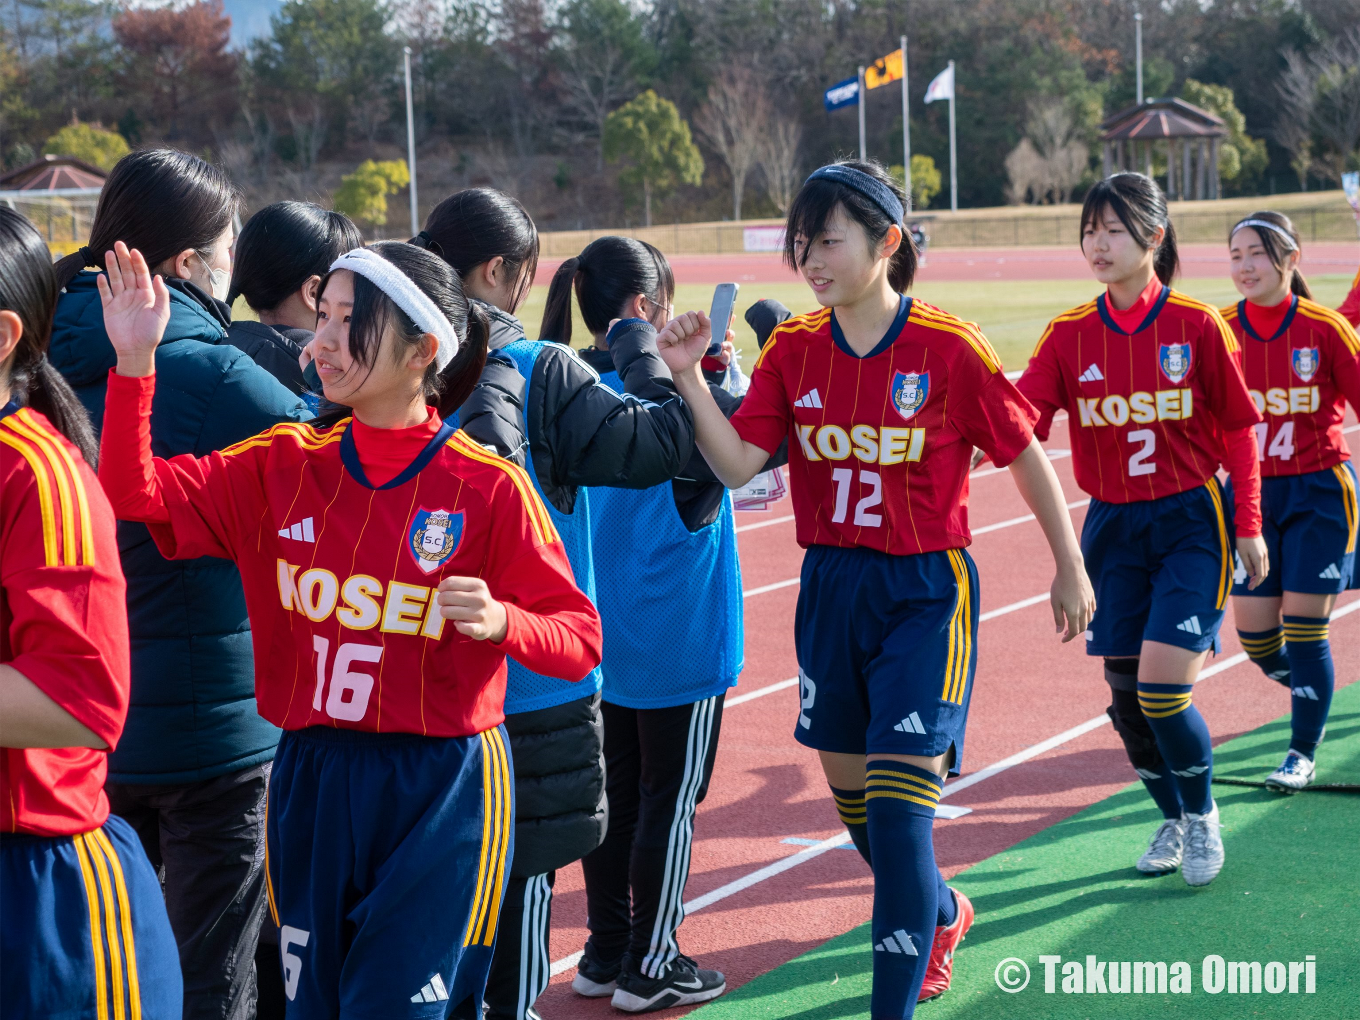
[192, 715]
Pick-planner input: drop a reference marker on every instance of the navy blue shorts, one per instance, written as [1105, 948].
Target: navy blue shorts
[887, 649]
[1308, 522]
[387, 859]
[83, 929]
[1161, 569]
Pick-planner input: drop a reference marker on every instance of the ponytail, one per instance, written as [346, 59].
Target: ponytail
[1167, 262]
[461, 375]
[1141, 207]
[28, 288]
[1279, 237]
[1298, 285]
[557, 312]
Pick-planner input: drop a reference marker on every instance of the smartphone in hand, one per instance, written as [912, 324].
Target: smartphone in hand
[724, 300]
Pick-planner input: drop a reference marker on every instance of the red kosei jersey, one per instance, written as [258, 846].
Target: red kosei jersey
[340, 578]
[880, 446]
[63, 622]
[1350, 308]
[1300, 379]
[1149, 409]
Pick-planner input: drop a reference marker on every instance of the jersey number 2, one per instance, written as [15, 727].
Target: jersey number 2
[350, 691]
[1138, 464]
[874, 497]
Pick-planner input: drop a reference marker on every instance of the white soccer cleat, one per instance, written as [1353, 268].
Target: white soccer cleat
[1294, 773]
[1164, 849]
[1203, 857]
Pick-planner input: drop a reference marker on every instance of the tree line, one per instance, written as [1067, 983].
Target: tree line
[602, 112]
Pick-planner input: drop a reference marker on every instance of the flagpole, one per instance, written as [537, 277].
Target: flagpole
[906, 127]
[953, 149]
[411, 145]
[863, 149]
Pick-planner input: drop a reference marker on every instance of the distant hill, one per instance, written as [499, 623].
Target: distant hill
[249, 19]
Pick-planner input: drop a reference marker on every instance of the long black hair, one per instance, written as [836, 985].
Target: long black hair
[1141, 207]
[282, 246]
[374, 313]
[608, 272]
[28, 288]
[474, 226]
[1275, 247]
[816, 202]
[160, 201]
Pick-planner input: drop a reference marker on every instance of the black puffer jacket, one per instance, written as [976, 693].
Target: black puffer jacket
[275, 350]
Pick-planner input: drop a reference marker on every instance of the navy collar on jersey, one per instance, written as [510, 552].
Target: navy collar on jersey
[894, 331]
[1246, 323]
[1152, 314]
[349, 456]
[8, 409]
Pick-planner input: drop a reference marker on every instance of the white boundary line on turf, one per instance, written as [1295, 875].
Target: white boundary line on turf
[793, 860]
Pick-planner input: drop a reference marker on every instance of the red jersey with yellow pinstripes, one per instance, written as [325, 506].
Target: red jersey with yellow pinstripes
[340, 578]
[63, 622]
[1350, 308]
[880, 446]
[1300, 379]
[1148, 410]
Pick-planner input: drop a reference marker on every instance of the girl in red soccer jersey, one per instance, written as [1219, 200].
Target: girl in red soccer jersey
[1350, 308]
[882, 399]
[1300, 362]
[390, 565]
[1153, 385]
[84, 930]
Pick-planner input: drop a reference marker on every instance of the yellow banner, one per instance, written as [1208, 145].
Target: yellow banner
[884, 70]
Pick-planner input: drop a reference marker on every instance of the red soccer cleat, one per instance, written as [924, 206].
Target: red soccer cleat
[947, 939]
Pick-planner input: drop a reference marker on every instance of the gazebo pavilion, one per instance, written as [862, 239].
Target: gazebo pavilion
[1129, 138]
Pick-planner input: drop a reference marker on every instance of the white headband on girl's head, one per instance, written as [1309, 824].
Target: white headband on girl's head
[408, 297]
[1269, 226]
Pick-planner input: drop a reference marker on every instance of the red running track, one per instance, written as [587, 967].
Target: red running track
[1197, 260]
[1029, 687]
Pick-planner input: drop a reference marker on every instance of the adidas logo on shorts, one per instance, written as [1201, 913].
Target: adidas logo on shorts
[1190, 626]
[1331, 573]
[911, 724]
[810, 399]
[1092, 374]
[898, 942]
[434, 991]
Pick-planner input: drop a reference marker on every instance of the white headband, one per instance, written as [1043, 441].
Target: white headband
[1269, 226]
[408, 297]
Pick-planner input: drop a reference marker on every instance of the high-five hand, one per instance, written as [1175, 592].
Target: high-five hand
[136, 309]
[683, 341]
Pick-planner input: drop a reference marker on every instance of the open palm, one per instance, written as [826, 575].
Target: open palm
[136, 305]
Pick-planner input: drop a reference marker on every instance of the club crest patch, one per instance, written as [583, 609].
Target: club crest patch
[433, 537]
[1305, 362]
[1175, 361]
[910, 390]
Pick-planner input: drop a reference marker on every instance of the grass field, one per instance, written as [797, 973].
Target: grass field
[1012, 314]
[1287, 891]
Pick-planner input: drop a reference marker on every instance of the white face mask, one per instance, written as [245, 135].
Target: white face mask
[221, 280]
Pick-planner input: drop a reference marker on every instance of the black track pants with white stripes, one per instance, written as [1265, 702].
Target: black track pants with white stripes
[658, 762]
[518, 978]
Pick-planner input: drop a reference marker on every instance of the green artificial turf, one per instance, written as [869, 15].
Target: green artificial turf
[1289, 889]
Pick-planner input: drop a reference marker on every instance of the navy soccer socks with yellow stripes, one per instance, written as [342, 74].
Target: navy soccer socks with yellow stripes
[1266, 649]
[850, 806]
[1312, 679]
[1183, 739]
[900, 804]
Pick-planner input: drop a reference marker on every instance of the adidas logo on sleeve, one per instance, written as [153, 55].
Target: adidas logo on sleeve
[434, 991]
[811, 399]
[898, 942]
[911, 724]
[299, 532]
[1092, 374]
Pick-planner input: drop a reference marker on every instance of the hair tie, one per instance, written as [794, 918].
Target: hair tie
[407, 296]
[1269, 226]
[421, 240]
[85, 253]
[871, 188]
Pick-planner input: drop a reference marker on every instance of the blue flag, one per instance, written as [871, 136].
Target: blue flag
[843, 93]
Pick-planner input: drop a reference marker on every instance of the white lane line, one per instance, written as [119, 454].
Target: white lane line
[1022, 520]
[769, 587]
[1033, 600]
[765, 524]
[1056, 453]
[760, 692]
[1349, 429]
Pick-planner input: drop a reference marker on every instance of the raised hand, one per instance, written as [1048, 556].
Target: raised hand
[683, 341]
[136, 309]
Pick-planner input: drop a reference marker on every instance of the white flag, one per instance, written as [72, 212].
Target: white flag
[941, 86]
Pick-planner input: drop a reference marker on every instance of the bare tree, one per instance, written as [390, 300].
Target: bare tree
[1293, 128]
[778, 155]
[1026, 173]
[1057, 140]
[602, 45]
[733, 121]
[1320, 99]
[309, 134]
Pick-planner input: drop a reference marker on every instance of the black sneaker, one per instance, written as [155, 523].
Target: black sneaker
[594, 978]
[683, 984]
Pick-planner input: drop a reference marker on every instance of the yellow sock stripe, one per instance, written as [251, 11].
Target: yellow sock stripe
[1310, 634]
[503, 849]
[857, 801]
[901, 796]
[1162, 709]
[51, 545]
[850, 818]
[479, 894]
[1348, 498]
[903, 782]
[1257, 647]
[110, 927]
[101, 996]
[125, 918]
[1226, 570]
